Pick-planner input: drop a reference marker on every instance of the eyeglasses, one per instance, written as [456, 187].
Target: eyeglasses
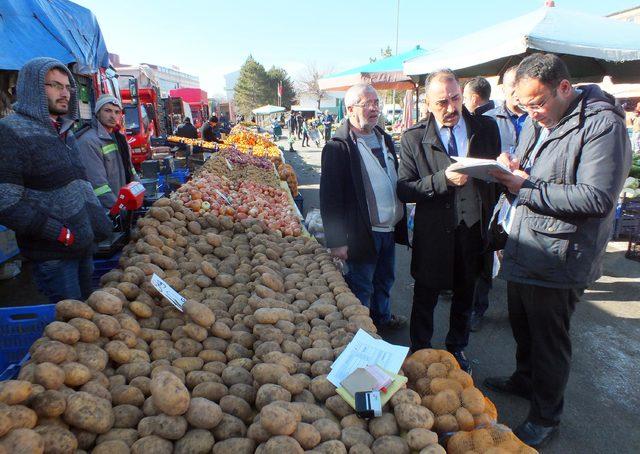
[369, 105]
[58, 86]
[537, 107]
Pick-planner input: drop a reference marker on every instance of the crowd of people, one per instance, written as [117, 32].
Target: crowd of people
[547, 221]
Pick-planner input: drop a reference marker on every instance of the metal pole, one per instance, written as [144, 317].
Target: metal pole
[393, 114]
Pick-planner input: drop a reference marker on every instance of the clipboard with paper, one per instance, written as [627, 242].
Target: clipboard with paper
[478, 168]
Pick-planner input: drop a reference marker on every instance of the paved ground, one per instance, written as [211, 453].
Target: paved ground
[602, 410]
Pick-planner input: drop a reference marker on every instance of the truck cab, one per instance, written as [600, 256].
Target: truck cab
[140, 122]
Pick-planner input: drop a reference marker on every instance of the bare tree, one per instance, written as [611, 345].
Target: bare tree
[308, 81]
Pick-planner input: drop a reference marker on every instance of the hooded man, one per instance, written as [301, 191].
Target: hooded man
[105, 153]
[45, 197]
[186, 129]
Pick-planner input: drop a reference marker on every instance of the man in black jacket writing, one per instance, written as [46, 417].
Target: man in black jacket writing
[452, 210]
[361, 213]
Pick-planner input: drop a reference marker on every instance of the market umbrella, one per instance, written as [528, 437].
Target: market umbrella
[407, 111]
[385, 74]
[267, 110]
[591, 46]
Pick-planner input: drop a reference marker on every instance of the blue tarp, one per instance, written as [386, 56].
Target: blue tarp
[50, 28]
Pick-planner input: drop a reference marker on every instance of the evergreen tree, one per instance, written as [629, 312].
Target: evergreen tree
[252, 88]
[279, 75]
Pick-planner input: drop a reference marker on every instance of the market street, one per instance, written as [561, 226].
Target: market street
[602, 398]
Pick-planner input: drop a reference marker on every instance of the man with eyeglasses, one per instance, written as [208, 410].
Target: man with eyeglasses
[573, 159]
[44, 193]
[452, 210]
[361, 213]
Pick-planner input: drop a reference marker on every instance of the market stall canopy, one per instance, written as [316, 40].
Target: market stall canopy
[267, 110]
[385, 74]
[591, 46]
[50, 28]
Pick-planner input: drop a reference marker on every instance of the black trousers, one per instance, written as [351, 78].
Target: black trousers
[468, 245]
[540, 319]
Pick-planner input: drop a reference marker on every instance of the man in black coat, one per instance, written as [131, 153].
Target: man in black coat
[361, 213]
[209, 130]
[186, 129]
[452, 210]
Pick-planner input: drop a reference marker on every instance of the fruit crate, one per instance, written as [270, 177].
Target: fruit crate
[19, 328]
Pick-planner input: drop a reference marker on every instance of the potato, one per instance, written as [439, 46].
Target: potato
[338, 406]
[159, 214]
[278, 420]
[49, 351]
[229, 427]
[91, 356]
[440, 384]
[435, 448]
[328, 429]
[420, 438]
[307, 436]
[88, 412]
[268, 373]
[355, 435]
[118, 351]
[411, 416]
[108, 325]
[167, 427]
[22, 417]
[210, 391]
[390, 444]
[140, 309]
[203, 413]
[105, 303]
[89, 332]
[49, 403]
[57, 440]
[461, 377]
[445, 424]
[169, 394]
[126, 416]
[199, 313]
[49, 375]
[460, 442]
[127, 395]
[322, 388]
[112, 447]
[437, 370]
[15, 391]
[268, 393]
[383, 425]
[273, 282]
[152, 444]
[465, 419]
[281, 444]
[23, 441]
[69, 309]
[473, 400]
[235, 446]
[195, 441]
[237, 407]
[444, 402]
[271, 316]
[62, 332]
[405, 396]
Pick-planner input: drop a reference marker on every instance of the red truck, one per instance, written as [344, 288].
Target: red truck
[198, 102]
[141, 122]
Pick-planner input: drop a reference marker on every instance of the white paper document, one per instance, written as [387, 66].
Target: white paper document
[365, 350]
[168, 292]
[478, 168]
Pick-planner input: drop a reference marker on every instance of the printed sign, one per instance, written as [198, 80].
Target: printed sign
[168, 292]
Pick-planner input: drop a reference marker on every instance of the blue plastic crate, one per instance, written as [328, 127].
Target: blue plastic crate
[103, 266]
[19, 328]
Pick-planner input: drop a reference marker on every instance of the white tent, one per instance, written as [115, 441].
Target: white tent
[591, 46]
[267, 110]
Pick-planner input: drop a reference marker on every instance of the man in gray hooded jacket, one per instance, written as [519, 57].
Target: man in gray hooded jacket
[573, 160]
[44, 194]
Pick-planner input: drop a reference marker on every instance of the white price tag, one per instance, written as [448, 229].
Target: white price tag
[228, 164]
[169, 293]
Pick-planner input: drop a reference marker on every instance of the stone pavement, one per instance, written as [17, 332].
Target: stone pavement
[602, 402]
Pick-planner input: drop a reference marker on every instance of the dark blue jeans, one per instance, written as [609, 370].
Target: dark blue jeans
[64, 279]
[481, 295]
[371, 282]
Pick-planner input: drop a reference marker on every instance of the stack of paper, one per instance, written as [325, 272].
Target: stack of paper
[365, 350]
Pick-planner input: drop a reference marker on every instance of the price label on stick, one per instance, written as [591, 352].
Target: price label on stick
[168, 292]
[224, 197]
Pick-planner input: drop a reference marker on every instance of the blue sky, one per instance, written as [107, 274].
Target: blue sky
[210, 38]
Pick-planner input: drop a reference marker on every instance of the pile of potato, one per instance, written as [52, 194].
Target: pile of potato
[243, 369]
